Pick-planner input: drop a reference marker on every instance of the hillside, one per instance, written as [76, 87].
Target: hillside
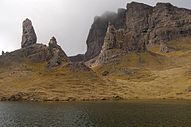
[141, 52]
[148, 75]
[38, 72]
[152, 74]
[35, 82]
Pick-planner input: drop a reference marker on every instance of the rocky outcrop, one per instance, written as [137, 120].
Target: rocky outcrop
[34, 52]
[164, 48]
[113, 44]
[168, 22]
[98, 31]
[139, 25]
[137, 16]
[110, 38]
[77, 66]
[58, 56]
[77, 58]
[2, 53]
[29, 36]
[53, 54]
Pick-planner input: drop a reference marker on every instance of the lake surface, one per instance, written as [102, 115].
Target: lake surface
[96, 114]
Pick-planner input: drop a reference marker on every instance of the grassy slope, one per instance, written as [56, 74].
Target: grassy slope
[152, 74]
[61, 83]
[149, 75]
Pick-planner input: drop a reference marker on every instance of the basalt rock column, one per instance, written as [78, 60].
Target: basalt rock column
[29, 36]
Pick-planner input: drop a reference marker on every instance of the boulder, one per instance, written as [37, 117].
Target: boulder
[164, 48]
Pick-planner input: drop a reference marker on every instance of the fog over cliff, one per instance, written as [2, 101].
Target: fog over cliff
[68, 20]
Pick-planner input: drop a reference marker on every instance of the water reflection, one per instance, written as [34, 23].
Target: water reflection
[96, 114]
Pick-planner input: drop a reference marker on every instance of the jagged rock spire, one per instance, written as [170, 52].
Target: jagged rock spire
[58, 56]
[2, 53]
[53, 41]
[109, 40]
[29, 36]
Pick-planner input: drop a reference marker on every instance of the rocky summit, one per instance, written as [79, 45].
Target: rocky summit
[57, 55]
[141, 52]
[29, 36]
[35, 52]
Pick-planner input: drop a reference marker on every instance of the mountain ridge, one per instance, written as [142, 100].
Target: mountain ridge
[141, 52]
[150, 18]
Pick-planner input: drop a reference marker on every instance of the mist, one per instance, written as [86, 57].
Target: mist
[68, 20]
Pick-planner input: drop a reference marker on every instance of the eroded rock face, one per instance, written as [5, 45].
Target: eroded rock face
[52, 54]
[110, 38]
[77, 58]
[169, 22]
[58, 56]
[140, 25]
[112, 47]
[137, 18]
[98, 31]
[35, 52]
[29, 36]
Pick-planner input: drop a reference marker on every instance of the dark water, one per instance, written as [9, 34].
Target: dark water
[96, 114]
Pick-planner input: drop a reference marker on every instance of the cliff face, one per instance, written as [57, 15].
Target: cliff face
[169, 22]
[141, 25]
[98, 31]
[113, 45]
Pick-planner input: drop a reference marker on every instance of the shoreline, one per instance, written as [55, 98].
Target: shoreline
[98, 100]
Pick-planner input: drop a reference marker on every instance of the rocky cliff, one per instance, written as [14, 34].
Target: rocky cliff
[138, 26]
[98, 31]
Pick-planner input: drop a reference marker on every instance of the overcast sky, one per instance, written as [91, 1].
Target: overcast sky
[68, 20]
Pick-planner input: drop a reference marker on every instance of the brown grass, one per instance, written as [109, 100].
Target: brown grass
[148, 75]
